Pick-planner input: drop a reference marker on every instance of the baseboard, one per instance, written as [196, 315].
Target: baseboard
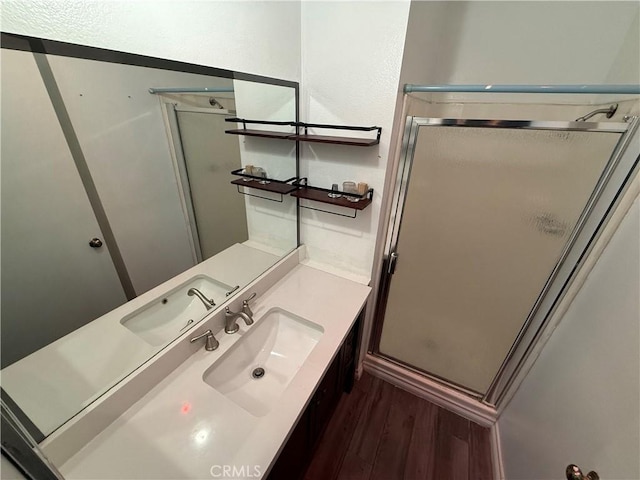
[428, 389]
[496, 453]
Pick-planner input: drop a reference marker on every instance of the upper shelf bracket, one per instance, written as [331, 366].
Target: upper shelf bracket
[306, 137]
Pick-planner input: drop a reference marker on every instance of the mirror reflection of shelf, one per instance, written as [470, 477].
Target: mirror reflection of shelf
[357, 203]
[258, 133]
[281, 187]
[305, 136]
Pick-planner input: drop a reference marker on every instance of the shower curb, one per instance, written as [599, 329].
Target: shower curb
[445, 397]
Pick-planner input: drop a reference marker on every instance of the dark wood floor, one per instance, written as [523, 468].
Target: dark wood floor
[381, 432]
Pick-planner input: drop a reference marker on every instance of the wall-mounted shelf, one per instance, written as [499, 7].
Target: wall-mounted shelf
[305, 136]
[259, 133]
[281, 187]
[321, 195]
[356, 142]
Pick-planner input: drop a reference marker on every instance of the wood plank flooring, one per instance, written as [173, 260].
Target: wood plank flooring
[380, 432]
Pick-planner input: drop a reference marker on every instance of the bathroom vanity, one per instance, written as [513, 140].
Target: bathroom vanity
[256, 404]
[339, 377]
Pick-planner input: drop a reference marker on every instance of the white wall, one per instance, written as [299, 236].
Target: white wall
[352, 54]
[579, 403]
[521, 42]
[256, 37]
[8, 471]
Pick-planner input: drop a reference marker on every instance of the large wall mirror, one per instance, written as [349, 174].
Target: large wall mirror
[116, 179]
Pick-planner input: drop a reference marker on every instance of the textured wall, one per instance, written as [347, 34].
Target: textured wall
[254, 37]
[521, 42]
[352, 53]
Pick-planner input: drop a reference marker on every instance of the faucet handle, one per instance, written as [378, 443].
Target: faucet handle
[245, 305]
[211, 343]
[237, 287]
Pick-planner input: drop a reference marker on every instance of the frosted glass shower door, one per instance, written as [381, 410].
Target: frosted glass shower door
[210, 156]
[486, 216]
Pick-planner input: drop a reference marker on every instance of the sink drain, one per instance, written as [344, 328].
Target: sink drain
[258, 372]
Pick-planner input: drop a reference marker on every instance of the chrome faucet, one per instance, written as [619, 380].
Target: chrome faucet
[230, 325]
[208, 303]
[211, 343]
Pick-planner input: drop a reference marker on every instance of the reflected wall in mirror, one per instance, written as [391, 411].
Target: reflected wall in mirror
[116, 200]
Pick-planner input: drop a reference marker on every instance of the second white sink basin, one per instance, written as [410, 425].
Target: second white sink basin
[166, 317]
[257, 369]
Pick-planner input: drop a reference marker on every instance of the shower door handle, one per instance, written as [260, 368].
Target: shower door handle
[393, 260]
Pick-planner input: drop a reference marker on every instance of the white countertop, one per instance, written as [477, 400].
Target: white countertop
[183, 427]
[73, 371]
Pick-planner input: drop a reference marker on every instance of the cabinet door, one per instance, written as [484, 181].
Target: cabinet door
[293, 458]
[53, 282]
[350, 354]
[325, 399]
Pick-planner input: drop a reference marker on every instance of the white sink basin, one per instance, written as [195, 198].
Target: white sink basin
[278, 343]
[164, 318]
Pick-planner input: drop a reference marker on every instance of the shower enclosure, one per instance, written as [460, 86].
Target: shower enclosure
[208, 156]
[489, 220]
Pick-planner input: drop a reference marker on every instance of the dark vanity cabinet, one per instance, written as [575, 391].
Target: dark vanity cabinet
[324, 401]
[339, 377]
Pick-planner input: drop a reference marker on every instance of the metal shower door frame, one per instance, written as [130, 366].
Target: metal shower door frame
[620, 166]
[178, 159]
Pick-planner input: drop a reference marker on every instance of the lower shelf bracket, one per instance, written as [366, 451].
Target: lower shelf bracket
[323, 195]
[260, 196]
[355, 212]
